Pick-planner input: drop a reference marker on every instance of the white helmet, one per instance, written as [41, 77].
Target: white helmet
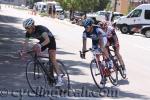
[28, 22]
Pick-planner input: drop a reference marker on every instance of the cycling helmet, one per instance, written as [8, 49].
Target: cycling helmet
[88, 22]
[28, 22]
[103, 24]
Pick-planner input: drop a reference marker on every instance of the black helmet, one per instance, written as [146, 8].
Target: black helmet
[87, 22]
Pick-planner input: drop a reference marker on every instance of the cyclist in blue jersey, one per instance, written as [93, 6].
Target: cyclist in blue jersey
[46, 40]
[99, 40]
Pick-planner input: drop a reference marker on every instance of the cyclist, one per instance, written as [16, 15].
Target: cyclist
[46, 40]
[99, 39]
[113, 41]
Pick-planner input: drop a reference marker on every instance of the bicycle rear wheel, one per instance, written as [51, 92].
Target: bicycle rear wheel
[114, 74]
[36, 77]
[122, 72]
[64, 74]
[120, 68]
[96, 75]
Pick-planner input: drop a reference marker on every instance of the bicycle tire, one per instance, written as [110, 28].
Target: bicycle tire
[122, 73]
[114, 79]
[94, 67]
[65, 75]
[35, 76]
[119, 68]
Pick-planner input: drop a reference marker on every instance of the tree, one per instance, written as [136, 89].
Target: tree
[103, 4]
[78, 5]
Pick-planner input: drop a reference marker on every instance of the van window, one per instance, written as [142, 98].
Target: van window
[147, 14]
[135, 13]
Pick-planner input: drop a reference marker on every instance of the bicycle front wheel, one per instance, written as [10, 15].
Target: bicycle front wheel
[96, 75]
[36, 77]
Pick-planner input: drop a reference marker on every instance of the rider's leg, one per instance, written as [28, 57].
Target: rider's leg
[52, 55]
[107, 58]
[116, 50]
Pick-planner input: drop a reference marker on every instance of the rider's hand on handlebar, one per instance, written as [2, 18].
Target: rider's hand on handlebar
[22, 54]
[37, 48]
[82, 54]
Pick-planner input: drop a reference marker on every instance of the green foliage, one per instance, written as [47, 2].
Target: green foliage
[108, 7]
[83, 5]
[43, 14]
[103, 4]
[130, 8]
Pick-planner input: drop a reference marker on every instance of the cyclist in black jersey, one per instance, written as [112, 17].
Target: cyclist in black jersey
[46, 40]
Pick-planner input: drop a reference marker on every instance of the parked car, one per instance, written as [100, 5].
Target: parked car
[145, 30]
[105, 15]
[61, 15]
[78, 18]
[135, 20]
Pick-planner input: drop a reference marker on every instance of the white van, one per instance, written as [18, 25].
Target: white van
[135, 20]
[41, 6]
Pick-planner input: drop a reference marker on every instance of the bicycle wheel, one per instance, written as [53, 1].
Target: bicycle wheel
[122, 72]
[121, 69]
[96, 75]
[114, 74]
[64, 74]
[36, 77]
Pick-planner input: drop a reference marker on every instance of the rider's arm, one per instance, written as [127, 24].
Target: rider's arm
[115, 36]
[101, 40]
[84, 45]
[84, 42]
[46, 39]
[26, 41]
[25, 44]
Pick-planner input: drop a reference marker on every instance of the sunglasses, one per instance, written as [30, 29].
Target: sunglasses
[87, 27]
[28, 28]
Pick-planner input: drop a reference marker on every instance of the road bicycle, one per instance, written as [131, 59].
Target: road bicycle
[99, 69]
[41, 75]
[120, 68]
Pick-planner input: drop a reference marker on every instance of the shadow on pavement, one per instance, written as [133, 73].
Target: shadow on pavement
[72, 67]
[91, 91]
[9, 19]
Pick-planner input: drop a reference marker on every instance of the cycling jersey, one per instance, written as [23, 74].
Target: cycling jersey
[94, 35]
[39, 30]
[112, 37]
[110, 32]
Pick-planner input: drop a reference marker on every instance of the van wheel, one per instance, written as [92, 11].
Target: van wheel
[147, 33]
[124, 29]
[131, 33]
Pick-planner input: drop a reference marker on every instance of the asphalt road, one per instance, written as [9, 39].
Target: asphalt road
[135, 50]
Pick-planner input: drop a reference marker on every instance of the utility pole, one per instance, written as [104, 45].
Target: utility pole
[115, 5]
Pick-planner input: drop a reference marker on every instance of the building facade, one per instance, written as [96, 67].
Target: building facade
[123, 5]
[120, 6]
[135, 3]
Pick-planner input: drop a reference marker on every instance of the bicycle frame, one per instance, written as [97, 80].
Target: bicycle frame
[98, 62]
[37, 61]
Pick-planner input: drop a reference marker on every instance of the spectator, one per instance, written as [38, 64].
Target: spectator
[54, 11]
[34, 10]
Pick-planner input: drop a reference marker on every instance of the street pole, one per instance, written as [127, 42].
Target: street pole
[115, 5]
